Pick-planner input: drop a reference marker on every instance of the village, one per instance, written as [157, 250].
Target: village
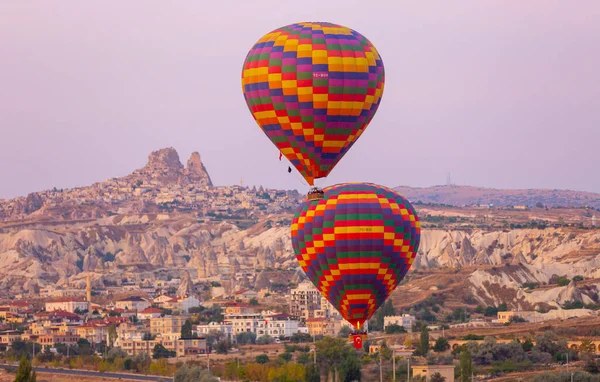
[178, 326]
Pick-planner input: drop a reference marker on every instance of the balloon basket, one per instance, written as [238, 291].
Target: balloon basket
[315, 193]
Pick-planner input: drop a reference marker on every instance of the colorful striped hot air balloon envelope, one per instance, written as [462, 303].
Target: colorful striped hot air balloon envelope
[313, 88]
[356, 245]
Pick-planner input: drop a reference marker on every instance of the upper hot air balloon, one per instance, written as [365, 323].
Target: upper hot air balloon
[355, 245]
[313, 88]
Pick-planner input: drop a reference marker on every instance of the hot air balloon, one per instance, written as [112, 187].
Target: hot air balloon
[313, 88]
[355, 245]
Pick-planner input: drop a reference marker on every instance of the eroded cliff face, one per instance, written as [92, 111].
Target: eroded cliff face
[140, 245]
[506, 264]
[441, 248]
[497, 266]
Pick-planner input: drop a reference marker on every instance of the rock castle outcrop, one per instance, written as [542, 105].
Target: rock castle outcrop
[164, 167]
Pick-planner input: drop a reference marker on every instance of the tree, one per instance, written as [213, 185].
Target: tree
[394, 329]
[285, 357]
[265, 340]
[423, 347]
[587, 347]
[344, 332]
[112, 335]
[386, 352]
[331, 353]
[490, 311]
[466, 366]
[262, 359]
[301, 337]
[350, 370]
[160, 367]
[232, 371]
[441, 344]
[527, 345]
[437, 377]
[160, 351]
[312, 374]
[591, 366]
[193, 374]
[25, 372]
[223, 346]
[84, 346]
[186, 329]
[245, 338]
[253, 301]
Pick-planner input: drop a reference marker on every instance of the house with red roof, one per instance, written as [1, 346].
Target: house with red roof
[149, 313]
[67, 304]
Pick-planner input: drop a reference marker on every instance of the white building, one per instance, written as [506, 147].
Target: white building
[406, 321]
[265, 323]
[134, 303]
[246, 322]
[304, 300]
[326, 311]
[223, 327]
[182, 304]
[276, 326]
[67, 305]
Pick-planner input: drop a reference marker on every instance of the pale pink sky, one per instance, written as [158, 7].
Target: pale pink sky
[499, 93]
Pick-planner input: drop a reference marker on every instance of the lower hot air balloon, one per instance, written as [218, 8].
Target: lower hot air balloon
[356, 245]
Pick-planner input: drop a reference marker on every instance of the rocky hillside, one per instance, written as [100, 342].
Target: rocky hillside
[467, 196]
[138, 247]
[162, 172]
[525, 268]
[168, 220]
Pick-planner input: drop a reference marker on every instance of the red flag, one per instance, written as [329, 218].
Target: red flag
[358, 342]
[280, 155]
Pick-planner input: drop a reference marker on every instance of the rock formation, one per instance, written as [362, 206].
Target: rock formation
[186, 287]
[196, 172]
[198, 262]
[264, 258]
[262, 281]
[212, 266]
[164, 167]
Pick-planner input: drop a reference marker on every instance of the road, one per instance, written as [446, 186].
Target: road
[133, 377]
